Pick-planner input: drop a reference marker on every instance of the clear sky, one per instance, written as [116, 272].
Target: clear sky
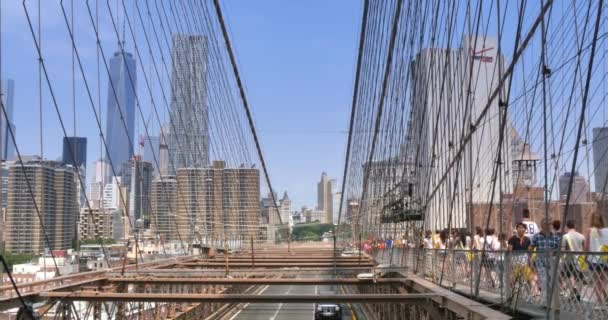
[297, 59]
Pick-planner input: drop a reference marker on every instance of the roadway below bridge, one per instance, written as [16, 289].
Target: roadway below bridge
[279, 284]
[288, 311]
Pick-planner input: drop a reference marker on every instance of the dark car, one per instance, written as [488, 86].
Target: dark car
[328, 311]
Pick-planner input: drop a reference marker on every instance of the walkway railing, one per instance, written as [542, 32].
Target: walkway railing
[514, 279]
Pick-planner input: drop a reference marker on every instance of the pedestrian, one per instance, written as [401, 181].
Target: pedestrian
[477, 238]
[597, 246]
[519, 242]
[557, 229]
[518, 245]
[436, 236]
[546, 243]
[443, 240]
[462, 254]
[491, 245]
[531, 226]
[502, 240]
[573, 266]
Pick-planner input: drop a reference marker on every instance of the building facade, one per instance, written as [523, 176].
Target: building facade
[137, 178]
[336, 198]
[268, 210]
[54, 188]
[452, 87]
[580, 189]
[95, 192]
[75, 154]
[7, 94]
[189, 133]
[164, 207]
[217, 203]
[286, 210]
[325, 189]
[95, 224]
[151, 152]
[600, 158]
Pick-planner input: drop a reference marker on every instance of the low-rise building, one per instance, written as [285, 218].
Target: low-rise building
[43, 267]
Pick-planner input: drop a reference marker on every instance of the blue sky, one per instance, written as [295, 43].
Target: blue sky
[297, 60]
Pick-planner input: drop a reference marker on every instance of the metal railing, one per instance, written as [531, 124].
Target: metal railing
[514, 279]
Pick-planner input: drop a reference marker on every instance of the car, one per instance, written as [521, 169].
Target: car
[365, 276]
[328, 311]
[350, 253]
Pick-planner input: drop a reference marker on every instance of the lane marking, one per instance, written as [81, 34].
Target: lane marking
[247, 304]
[314, 305]
[280, 305]
[350, 307]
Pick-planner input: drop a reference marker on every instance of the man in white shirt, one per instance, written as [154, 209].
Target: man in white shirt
[573, 241]
[531, 226]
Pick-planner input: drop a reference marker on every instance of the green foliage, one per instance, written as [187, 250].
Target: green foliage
[16, 258]
[311, 236]
[311, 231]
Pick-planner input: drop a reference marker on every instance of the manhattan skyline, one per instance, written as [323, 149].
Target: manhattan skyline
[287, 143]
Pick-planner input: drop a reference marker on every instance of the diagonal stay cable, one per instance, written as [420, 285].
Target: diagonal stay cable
[246, 105]
[578, 140]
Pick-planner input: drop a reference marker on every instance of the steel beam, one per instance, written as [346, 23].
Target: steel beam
[271, 264]
[238, 298]
[255, 281]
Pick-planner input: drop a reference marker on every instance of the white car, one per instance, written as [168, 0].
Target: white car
[365, 276]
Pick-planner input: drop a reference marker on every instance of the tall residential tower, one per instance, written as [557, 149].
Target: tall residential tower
[189, 133]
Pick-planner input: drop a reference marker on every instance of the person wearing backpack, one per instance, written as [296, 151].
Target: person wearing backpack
[597, 246]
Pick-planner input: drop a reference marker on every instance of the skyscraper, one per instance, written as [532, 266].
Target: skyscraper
[98, 182]
[337, 197]
[137, 178]
[78, 149]
[7, 147]
[75, 154]
[152, 151]
[600, 158]
[325, 197]
[189, 133]
[269, 210]
[55, 191]
[580, 189]
[164, 204]
[121, 101]
[163, 151]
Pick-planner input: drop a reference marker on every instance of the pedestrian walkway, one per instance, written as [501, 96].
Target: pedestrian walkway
[502, 278]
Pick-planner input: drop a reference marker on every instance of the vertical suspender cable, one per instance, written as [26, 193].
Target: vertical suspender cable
[352, 114]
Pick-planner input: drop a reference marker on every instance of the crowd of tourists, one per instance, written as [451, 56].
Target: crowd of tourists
[531, 251]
